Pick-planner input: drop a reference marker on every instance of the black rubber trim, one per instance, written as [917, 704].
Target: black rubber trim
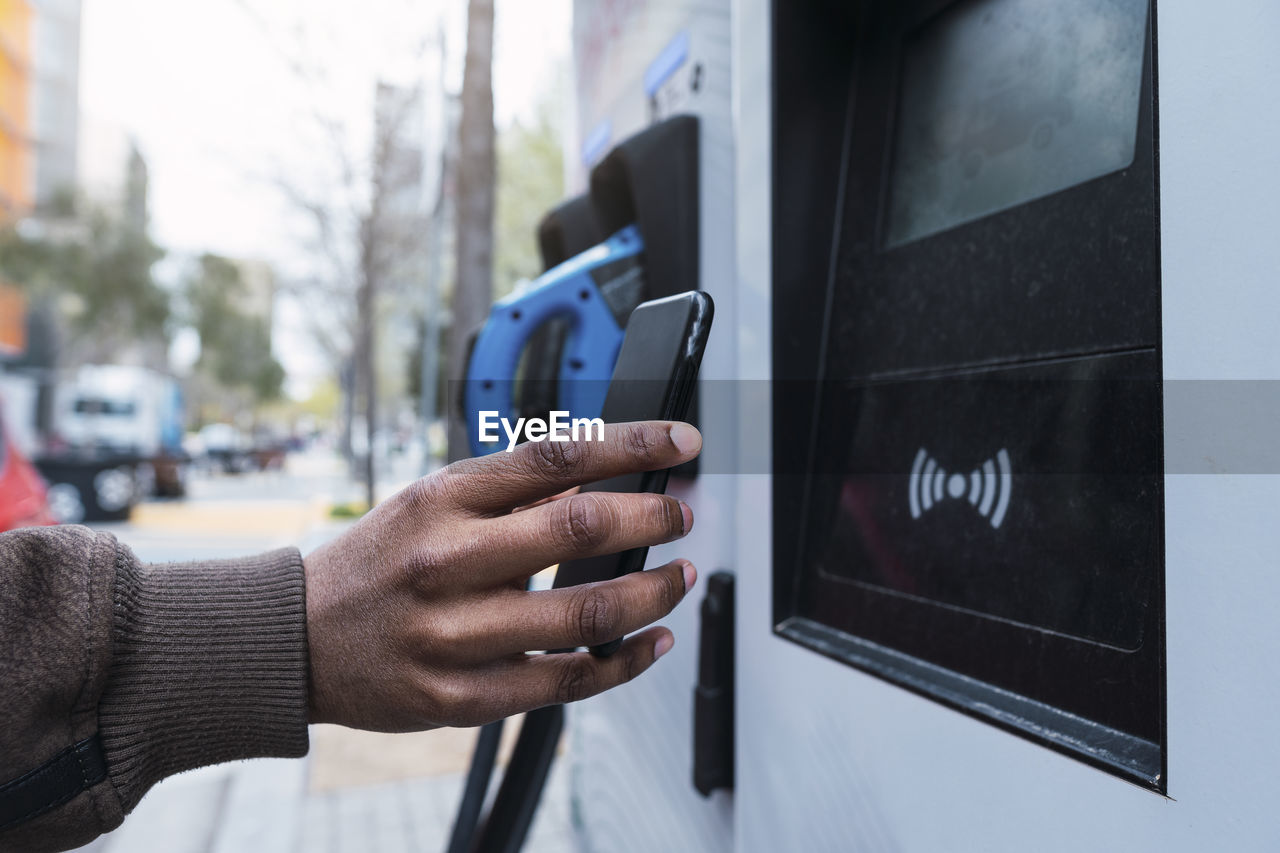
[59, 780]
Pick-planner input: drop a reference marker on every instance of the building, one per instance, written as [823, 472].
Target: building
[15, 126]
[15, 153]
[55, 104]
[400, 166]
[110, 170]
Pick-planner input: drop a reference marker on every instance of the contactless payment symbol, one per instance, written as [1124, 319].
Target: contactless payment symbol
[986, 487]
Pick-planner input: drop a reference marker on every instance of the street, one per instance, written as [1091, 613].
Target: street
[355, 791]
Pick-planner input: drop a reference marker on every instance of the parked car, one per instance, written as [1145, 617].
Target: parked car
[269, 454]
[94, 485]
[227, 448]
[23, 498]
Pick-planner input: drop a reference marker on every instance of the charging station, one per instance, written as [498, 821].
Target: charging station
[985, 513]
[1000, 603]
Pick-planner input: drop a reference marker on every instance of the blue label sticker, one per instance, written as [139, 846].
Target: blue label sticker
[671, 58]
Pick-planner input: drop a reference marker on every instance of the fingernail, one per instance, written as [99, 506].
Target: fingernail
[686, 517]
[686, 439]
[664, 644]
[690, 576]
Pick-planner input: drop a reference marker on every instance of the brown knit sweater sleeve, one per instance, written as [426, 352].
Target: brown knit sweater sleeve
[171, 667]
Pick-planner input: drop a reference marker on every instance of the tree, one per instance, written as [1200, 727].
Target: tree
[371, 238]
[235, 346]
[473, 246]
[530, 183]
[362, 208]
[97, 269]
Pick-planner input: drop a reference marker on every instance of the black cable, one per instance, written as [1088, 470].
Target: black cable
[507, 825]
[483, 760]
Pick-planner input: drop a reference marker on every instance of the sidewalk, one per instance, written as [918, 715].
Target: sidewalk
[268, 806]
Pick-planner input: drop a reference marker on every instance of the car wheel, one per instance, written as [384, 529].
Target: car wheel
[114, 488]
[65, 503]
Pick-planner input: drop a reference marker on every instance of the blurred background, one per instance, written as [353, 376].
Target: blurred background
[236, 240]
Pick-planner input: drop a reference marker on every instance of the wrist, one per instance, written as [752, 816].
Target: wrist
[209, 665]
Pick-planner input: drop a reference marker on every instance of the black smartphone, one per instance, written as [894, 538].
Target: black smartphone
[653, 379]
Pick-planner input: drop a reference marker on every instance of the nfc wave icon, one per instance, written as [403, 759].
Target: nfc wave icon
[987, 486]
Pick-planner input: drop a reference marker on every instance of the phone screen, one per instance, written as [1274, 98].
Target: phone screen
[653, 379]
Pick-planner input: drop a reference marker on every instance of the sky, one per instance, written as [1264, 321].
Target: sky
[207, 92]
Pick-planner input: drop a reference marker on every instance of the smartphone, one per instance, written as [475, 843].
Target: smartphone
[653, 379]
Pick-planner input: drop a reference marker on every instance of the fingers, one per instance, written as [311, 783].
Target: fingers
[586, 615]
[538, 680]
[583, 525]
[536, 470]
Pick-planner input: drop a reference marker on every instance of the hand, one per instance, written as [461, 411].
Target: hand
[418, 616]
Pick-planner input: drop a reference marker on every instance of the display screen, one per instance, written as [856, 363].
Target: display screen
[1005, 101]
[974, 485]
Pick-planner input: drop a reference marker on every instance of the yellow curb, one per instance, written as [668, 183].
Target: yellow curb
[241, 517]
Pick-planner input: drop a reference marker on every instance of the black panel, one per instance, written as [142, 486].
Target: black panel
[567, 230]
[978, 469]
[977, 498]
[651, 180]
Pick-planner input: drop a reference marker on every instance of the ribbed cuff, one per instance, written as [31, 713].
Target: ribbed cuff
[209, 664]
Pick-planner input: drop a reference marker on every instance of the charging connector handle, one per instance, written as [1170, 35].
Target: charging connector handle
[591, 346]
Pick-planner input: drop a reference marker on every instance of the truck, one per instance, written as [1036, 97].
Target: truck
[116, 437]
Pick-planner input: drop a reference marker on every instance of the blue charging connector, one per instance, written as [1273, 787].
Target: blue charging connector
[569, 291]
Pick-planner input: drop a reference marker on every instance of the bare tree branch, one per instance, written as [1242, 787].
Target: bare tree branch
[366, 224]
